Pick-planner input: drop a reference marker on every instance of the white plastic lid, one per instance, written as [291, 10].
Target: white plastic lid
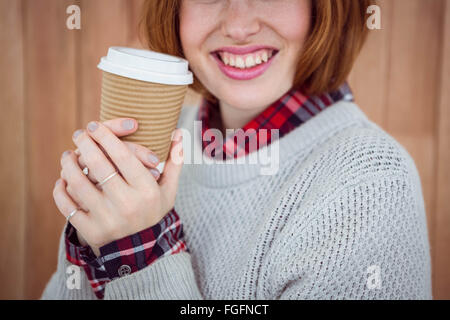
[146, 65]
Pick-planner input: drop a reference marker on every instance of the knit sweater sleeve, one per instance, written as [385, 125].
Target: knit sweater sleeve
[367, 241]
[68, 282]
[170, 277]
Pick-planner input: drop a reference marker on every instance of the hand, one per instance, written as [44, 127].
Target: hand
[147, 157]
[127, 203]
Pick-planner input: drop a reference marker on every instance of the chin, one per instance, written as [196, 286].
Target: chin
[246, 100]
[243, 97]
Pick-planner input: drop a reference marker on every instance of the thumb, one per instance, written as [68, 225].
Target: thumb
[172, 168]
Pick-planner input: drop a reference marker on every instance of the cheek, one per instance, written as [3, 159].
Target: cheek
[294, 22]
[297, 34]
[192, 29]
[186, 34]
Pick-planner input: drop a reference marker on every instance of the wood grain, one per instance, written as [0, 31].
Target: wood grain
[371, 69]
[12, 157]
[101, 29]
[50, 86]
[51, 117]
[413, 82]
[441, 235]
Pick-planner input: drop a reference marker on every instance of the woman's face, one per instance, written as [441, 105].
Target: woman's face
[207, 26]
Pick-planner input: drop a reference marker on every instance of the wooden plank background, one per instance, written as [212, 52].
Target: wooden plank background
[49, 87]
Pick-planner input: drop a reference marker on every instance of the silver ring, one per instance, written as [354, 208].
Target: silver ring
[86, 170]
[72, 214]
[107, 178]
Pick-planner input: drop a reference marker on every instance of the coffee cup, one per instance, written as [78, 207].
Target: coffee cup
[148, 86]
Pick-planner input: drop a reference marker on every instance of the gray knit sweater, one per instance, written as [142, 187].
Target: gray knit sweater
[342, 218]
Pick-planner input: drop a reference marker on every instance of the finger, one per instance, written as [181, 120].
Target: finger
[149, 159]
[99, 166]
[153, 170]
[80, 184]
[146, 156]
[173, 166]
[131, 168]
[74, 197]
[78, 153]
[83, 165]
[121, 126]
[66, 205]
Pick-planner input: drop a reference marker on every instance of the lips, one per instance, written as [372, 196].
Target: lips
[244, 50]
[247, 60]
[245, 73]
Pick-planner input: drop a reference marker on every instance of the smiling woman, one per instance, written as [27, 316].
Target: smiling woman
[238, 29]
[343, 216]
[334, 30]
[314, 45]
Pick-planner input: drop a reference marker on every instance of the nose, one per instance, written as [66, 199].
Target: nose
[240, 20]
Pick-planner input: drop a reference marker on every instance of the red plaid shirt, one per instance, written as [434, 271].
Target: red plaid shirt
[127, 255]
[285, 114]
[135, 252]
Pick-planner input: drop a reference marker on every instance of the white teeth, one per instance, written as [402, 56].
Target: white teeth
[246, 61]
[264, 56]
[249, 62]
[240, 62]
[232, 62]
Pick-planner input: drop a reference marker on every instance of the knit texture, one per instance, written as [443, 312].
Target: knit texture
[344, 208]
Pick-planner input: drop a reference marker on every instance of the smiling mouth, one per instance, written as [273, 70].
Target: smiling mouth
[244, 62]
[247, 69]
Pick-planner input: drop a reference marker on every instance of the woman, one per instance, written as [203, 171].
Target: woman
[341, 217]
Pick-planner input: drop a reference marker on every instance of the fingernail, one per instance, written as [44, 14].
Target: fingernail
[77, 133]
[154, 172]
[57, 182]
[92, 126]
[128, 124]
[152, 158]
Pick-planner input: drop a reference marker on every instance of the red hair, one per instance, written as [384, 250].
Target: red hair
[337, 35]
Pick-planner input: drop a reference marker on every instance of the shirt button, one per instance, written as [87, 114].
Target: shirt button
[124, 270]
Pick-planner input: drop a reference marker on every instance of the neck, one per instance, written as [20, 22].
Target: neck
[290, 148]
[235, 118]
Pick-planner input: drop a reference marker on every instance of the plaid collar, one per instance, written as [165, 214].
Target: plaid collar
[285, 114]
